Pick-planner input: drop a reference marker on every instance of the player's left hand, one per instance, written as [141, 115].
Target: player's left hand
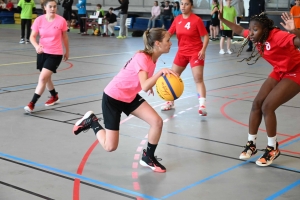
[201, 55]
[66, 56]
[288, 20]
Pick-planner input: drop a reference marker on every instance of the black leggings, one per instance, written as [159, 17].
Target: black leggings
[26, 22]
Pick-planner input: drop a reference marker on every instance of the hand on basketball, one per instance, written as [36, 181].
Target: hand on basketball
[167, 71]
[39, 49]
[288, 20]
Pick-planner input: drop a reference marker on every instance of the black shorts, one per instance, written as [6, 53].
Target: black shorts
[112, 110]
[48, 61]
[226, 33]
[215, 22]
[67, 15]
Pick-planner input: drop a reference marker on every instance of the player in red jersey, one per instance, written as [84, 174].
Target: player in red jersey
[189, 29]
[279, 48]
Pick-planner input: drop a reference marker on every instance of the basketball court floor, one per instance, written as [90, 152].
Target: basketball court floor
[40, 158]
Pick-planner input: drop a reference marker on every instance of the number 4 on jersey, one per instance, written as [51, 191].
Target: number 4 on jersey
[187, 26]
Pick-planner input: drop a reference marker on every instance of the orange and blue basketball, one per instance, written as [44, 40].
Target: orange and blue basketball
[169, 87]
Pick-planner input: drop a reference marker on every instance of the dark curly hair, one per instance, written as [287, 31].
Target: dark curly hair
[267, 25]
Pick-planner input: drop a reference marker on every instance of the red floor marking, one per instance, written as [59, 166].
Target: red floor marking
[136, 186]
[70, 66]
[223, 112]
[135, 175]
[290, 137]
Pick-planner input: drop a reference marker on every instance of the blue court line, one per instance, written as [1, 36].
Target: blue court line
[225, 171]
[284, 190]
[73, 175]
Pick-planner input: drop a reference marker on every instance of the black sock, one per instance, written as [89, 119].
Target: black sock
[53, 92]
[151, 149]
[35, 98]
[96, 126]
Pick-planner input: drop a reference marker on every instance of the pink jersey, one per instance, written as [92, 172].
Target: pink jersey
[280, 51]
[188, 32]
[50, 33]
[126, 84]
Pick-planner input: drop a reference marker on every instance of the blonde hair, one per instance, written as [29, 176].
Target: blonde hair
[150, 36]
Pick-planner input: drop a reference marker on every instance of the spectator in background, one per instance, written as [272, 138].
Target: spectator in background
[112, 22]
[2, 6]
[26, 7]
[81, 13]
[166, 13]
[229, 14]
[295, 12]
[123, 16]
[239, 8]
[9, 6]
[67, 5]
[255, 8]
[155, 12]
[74, 19]
[215, 22]
[100, 14]
[292, 3]
[176, 9]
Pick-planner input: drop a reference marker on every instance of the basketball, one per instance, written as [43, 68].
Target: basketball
[169, 87]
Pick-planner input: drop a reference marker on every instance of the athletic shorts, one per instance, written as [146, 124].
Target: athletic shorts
[215, 22]
[182, 61]
[67, 15]
[112, 110]
[278, 76]
[48, 61]
[226, 33]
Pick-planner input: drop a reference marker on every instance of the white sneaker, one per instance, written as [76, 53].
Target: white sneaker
[202, 111]
[222, 51]
[168, 106]
[22, 41]
[229, 52]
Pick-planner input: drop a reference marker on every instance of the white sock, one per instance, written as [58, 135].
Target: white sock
[202, 101]
[252, 138]
[272, 141]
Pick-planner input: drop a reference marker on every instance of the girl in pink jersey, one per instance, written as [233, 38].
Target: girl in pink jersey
[52, 30]
[279, 48]
[189, 29]
[121, 95]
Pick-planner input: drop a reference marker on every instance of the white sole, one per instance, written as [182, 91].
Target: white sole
[145, 165]
[27, 110]
[52, 103]
[84, 117]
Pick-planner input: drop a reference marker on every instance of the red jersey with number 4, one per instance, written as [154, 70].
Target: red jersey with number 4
[280, 51]
[188, 32]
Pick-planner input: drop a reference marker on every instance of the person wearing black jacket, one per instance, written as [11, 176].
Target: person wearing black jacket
[123, 16]
[67, 5]
[255, 8]
[112, 22]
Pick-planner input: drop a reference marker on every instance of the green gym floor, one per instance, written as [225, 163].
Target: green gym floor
[40, 158]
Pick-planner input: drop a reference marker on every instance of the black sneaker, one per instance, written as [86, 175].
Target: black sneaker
[249, 50]
[147, 161]
[250, 150]
[104, 34]
[268, 157]
[68, 30]
[112, 35]
[84, 123]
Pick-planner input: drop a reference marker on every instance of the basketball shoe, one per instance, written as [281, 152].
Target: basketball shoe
[84, 123]
[53, 100]
[29, 108]
[152, 163]
[168, 106]
[250, 150]
[268, 157]
[202, 111]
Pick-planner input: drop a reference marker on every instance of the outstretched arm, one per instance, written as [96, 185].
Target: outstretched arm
[289, 24]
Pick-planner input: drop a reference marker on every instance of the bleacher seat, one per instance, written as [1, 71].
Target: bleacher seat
[128, 24]
[7, 17]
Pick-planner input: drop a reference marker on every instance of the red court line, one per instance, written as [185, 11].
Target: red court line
[281, 142]
[69, 67]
